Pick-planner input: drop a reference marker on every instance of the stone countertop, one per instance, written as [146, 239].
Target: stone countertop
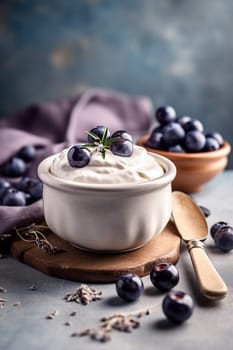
[23, 323]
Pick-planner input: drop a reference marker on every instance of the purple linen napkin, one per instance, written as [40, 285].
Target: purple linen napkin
[55, 125]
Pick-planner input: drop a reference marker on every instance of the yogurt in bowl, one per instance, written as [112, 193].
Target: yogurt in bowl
[114, 204]
[113, 169]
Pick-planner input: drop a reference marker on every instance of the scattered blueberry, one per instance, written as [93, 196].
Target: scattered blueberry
[14, 167]
[4, 186]
[78, 156]
[177, 306]
[165, 114]
[36, 191]
[223, 238]
[164, 276]
[214, 228]
[205, 211]
[26, 183]
[29, 198]
[32, 188]
[98, 131]
[122, 147]
[129, 287]
[5, 243]
[194, 141]
[27, 153]
[27, 190]
[13, 197]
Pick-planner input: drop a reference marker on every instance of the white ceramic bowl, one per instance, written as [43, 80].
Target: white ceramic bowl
[107, 218]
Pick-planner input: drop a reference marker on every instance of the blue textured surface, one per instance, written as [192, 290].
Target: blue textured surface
[175, 51]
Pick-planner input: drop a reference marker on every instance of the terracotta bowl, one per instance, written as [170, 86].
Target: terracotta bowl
[193, 169]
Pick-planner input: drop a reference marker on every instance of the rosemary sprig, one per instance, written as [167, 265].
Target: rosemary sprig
[100, 144]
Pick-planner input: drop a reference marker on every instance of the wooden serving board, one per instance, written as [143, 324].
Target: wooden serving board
[84, 266]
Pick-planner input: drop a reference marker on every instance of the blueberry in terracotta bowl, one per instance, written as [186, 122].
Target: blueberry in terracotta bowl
[108, 195]
[198, 155]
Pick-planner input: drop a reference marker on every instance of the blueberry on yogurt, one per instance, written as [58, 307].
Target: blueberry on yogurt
[122, 147]
[97, 133]
[78, 156]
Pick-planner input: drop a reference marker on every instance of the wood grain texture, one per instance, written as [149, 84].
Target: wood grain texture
[84, 266]
[211, 284]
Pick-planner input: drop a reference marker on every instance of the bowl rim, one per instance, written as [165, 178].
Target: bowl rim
[54, 181]
[224, 150]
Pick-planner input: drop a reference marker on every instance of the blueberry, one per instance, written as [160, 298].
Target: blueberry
[218, 137]
[193, 124]
[29, 198]
[32, 188]
[183, 119]
[26, 183]
[129, 287]
[122, 147]
[214, 228]
[205, 211]
[173, 133]
[27, 153]
[194, 141]
[165, 114]
[78, 156]
[176, 149]
[123, 135]
[13, 197]
[156, 140]
[164, 276]
[36, 191]
[98, 131]
[211, 144]
[4, 186]
[224, 238]
[5, 243]
[177, 306]
[14, 167]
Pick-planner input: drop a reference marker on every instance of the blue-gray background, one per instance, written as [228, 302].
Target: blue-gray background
[177, 52]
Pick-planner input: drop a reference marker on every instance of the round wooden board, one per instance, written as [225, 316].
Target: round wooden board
[83, 266]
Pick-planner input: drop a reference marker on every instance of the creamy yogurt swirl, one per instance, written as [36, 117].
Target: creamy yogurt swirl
[140, 167]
